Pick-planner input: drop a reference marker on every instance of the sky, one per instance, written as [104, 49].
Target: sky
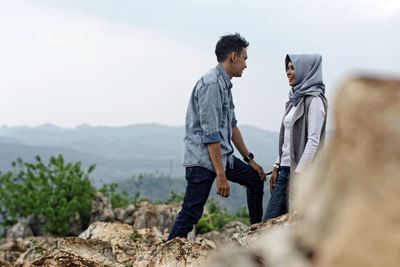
[122, 62]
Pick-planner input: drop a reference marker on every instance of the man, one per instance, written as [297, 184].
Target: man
[210, 127]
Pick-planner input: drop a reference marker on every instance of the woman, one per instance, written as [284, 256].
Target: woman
[303, 127]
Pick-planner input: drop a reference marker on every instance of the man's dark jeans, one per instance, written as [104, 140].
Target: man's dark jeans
[278, 203]
[199, 183]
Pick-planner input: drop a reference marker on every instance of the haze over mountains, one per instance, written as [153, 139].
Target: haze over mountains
[118, 152]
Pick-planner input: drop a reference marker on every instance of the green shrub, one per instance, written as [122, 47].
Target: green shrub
[119, 199]
[175, 198]
[59, 191]
[217, 217]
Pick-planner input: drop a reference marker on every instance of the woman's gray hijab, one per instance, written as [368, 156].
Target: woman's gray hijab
[308, 71]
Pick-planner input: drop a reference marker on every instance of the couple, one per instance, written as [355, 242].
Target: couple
[211, 128]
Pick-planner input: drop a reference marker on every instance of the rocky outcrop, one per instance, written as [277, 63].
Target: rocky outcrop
[143, 215]
[106, 244]
[253, 233]
[101, 209]
[179, 252]
[146, 247]
[35, 248]
[20, 230]
[160, 216]
[128, 243]
[221, 238]
[124, 215]
[73, 251]
[116, 244]
[35, 225]
[11, 249]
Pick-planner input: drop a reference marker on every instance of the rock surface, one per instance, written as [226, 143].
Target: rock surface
[101, 209]
[128, 243]
[254, 232]
[20, 230]
[106, 244]
[221, 238]
[160, 216]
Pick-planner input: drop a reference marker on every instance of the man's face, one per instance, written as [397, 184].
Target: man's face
[239, 63]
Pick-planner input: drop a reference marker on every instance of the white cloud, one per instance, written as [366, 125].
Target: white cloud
[378, 10]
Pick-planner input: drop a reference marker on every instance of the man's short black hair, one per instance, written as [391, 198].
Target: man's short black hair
[228, 44]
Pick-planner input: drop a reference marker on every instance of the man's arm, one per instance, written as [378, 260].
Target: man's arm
[237, 140]
[210, 109]
[223, 188]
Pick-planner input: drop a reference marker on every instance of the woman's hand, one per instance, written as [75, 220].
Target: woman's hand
[274, 177]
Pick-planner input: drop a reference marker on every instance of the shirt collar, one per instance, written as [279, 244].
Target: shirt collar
[225, 76]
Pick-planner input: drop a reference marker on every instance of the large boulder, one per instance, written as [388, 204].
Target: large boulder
[11, 249]
[20, 230]
[160, 216]
[73, 251]
[124, 215]
[221, 238]
[179, 252]
[254, 232]
[145, 247]
[348, 200]
[33, 248]
[127, 242]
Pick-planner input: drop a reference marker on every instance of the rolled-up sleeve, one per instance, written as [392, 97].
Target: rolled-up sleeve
[210, 110]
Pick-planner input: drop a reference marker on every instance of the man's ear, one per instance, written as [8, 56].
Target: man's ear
[233, 57]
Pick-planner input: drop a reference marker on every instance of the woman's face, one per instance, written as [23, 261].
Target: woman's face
[291, 74]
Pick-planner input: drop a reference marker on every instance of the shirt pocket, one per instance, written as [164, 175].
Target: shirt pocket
[225, 113]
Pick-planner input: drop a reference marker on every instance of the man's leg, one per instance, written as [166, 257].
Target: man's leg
[277, 204]
[244, 175]
[199, 182]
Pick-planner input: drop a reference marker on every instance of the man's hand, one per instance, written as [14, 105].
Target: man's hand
[274, 177]
[223, 188]
[257, 168]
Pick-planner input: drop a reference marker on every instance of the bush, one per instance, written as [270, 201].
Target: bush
[175, 198]
[59, 191]
[119, 199]
[218, 217]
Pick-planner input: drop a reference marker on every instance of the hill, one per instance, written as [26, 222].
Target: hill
[118, 152]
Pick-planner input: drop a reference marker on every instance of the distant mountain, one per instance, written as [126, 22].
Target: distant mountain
[118, 152]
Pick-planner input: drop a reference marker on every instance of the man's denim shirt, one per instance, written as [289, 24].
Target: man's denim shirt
[210, 118]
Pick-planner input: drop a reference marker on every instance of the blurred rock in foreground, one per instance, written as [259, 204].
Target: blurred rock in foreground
[347, 203]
